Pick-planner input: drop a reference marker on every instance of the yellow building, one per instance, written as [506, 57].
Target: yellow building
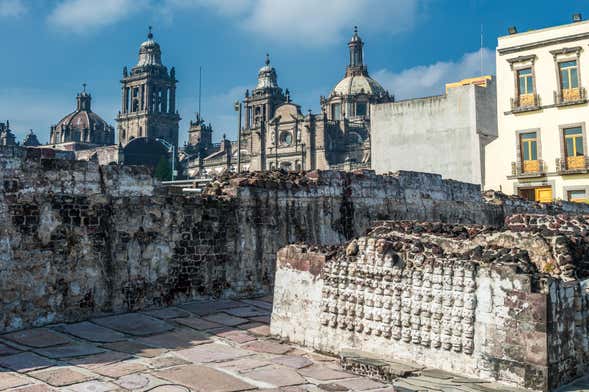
[542, 114]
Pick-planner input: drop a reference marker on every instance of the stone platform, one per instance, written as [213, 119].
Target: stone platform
[209, 346]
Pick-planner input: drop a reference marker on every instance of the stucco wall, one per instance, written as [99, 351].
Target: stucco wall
[436, 134]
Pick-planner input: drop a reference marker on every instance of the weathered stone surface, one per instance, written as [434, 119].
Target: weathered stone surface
[175, 340]
[136, 348]
[323, 373]
[90, 331]
[197, 323]
[7, 350]
[70, 350]
[120, 369]
[225, 319]
[38, 337]
[98, 360]
[93, 386]
[61, 376]
[12, 380]
[248, 311]
[167, 313]
[292, 361]
[204, 379]
[211, 353]
[267, 346]
[276, 376]
[134, 324]
[25, 362]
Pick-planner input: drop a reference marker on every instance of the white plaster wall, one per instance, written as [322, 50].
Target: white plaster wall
[436, 134]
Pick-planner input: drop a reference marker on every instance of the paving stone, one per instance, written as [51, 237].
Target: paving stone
[94, 361]
[211, 353]
[197, 323]
[332, 387]
[7, 350]
[322, 373]
[226, 319]
[247, 311]
[259, 303]
[277, 376]
[139, 382]
[136, 324]
[132, 347]
[295, 362]
[61, 376]
[207, 307]
[242, 365]
[70, 350]
[267, 346]
[176, 340]
[37, 337]
[436, 373]
[25, 362]
[35, 388]
[167, 313]
[361, 384]
[93, 386]
[204, 379]
[237, 336]
[255, 328]
[120, 369]
[92, 332]
[10, 380]
[165, 362]
[261, 319]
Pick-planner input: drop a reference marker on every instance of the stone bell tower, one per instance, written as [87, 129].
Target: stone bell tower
[148, 98]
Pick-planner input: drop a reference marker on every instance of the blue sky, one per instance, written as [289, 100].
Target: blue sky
[413, 47]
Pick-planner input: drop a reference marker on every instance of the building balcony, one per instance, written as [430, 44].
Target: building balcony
[525, 103]
[572, 165]
[528, 169]
[571, 96]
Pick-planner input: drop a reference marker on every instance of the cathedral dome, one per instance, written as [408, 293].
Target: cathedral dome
[82, 125]
[358, 84]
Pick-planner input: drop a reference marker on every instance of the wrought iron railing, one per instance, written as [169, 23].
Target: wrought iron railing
[570, 96]
[525, 102]
[572, 164]
[528, 168]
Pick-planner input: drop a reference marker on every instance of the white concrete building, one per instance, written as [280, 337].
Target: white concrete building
[542, 114]
[444, 134]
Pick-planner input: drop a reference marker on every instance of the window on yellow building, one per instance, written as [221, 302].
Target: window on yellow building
[569, 77]
[525, 81]
[574, 148]
[578, 196]
[529, 152]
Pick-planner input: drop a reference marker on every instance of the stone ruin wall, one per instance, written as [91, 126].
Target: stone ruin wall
[78, 239]
[460, 298]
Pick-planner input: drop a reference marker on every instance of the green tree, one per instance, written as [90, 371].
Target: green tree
[163, 170]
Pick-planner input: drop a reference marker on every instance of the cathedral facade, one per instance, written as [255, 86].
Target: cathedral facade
[277, 135]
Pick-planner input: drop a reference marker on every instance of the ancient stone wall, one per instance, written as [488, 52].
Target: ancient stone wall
[474, 299]
[78, 239]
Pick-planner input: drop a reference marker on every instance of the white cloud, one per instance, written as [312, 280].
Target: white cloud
[12, 8]
[425, 80]
[85, 16]
[310, 22]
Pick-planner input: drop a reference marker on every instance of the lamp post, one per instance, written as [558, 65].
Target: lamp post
[171, 148]
[237, 107]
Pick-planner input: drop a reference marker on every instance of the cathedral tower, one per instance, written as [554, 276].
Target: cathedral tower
[148, 98]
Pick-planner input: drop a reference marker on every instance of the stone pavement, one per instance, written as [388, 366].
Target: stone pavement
[209, 346]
